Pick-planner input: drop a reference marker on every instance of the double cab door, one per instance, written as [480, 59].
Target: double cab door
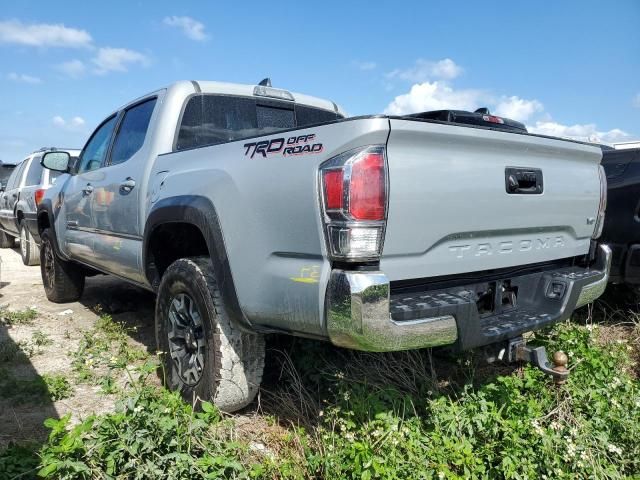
[102, 199]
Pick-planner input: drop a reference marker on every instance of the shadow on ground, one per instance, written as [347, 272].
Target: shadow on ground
[25, 404]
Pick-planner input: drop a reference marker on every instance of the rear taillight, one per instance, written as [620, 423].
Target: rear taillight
[39, 195]
[602, 206]
[354, 200]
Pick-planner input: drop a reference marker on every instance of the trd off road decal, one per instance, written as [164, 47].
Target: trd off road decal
[299, 145]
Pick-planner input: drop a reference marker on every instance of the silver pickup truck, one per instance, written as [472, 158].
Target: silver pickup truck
[252, 210]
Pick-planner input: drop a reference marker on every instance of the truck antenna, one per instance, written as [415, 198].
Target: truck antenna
[265, 82]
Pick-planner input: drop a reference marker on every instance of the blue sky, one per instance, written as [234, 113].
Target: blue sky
[569, 68]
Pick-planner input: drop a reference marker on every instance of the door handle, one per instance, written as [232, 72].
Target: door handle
[523, 180]
[88, 189]
[127, 185]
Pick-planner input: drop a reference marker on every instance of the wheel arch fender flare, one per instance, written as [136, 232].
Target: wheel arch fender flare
[200, 212]
[45, 216]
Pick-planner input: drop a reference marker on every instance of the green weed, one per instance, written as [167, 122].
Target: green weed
[382, 416]
[106, 346]
[20, 317]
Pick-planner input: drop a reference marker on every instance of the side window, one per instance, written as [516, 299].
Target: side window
[16, 176]
[34, 174]
[132, 131]
[95, 151]
[12, 178]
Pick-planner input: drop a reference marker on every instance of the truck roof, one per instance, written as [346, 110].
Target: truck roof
[245, 90]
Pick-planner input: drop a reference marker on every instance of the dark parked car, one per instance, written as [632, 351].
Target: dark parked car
[622, 221]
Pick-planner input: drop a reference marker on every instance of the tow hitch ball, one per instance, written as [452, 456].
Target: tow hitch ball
[537, 356]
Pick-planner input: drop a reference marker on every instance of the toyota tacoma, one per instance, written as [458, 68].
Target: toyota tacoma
[251, 210]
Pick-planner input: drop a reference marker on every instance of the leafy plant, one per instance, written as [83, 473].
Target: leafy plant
[104, 347]
[58, 387]
[366, 416]
[41, 339]
[19, 317]
[19, 461]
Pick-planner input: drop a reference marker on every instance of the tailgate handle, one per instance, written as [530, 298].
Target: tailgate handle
[524, 181]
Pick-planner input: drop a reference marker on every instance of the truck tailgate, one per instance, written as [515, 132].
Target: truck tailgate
[450, 211]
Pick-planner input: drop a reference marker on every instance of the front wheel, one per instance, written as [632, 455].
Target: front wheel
[29, 250]
[63, 281]
[205, 356]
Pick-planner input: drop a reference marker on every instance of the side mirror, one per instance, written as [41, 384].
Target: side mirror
[56, 161]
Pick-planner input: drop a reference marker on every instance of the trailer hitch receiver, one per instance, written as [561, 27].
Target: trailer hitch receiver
[537, 356]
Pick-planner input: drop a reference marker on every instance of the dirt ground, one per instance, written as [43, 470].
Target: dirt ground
[63, 325]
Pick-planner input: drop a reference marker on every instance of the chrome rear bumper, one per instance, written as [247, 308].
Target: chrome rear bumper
[359, 306]
[359, 317]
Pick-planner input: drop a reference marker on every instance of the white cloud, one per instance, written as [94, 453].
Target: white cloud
[43, 35]
[76, 123]
[585, 132]
[636, 100]
[73, 68]
[518, 108]
[192, 28]
[425, 70]
[117, 60]
[22, 78]
[435, 96]
[364, 66]
[443, 95]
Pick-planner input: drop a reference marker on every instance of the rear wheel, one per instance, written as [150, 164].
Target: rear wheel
[205, 356]
[29, 250]
[63, 281]
[6, 240]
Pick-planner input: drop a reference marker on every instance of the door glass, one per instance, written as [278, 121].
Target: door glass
[96, 150]
[34, 174]
[18, 176]
[132, 132]
[12, 178]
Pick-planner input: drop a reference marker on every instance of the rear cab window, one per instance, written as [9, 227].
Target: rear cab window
[210, 119]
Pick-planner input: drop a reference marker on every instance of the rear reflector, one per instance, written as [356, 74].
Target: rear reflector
[39, 195]
[333, 191]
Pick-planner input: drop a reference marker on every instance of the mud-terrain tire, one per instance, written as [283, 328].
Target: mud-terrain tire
[6, 240]
[63, 281]
[29, 250]
[207, 357]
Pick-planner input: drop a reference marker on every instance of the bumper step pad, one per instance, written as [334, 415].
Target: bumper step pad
[534, 308]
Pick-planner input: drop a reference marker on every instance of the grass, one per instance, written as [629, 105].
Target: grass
[103, 348]
[332, 414]
[39, 389]
[20, 317]
[21, 351]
